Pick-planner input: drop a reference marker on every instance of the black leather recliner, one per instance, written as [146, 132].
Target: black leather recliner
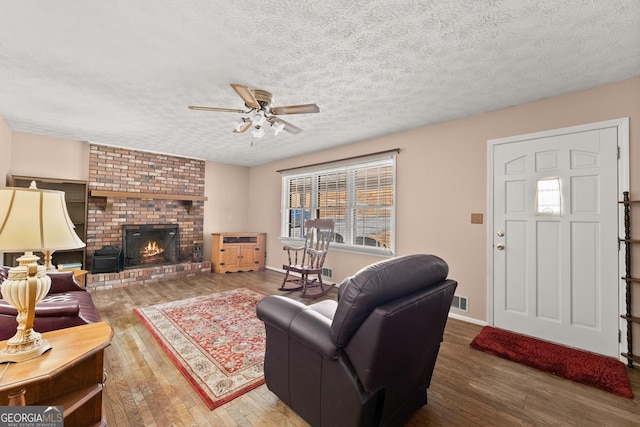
[367, 359]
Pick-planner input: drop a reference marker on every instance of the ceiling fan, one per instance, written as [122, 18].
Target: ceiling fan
[261, 111]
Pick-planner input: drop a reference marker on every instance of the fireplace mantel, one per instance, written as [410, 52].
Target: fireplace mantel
[110, 195]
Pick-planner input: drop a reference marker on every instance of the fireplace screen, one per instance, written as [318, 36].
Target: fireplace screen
[152, 244]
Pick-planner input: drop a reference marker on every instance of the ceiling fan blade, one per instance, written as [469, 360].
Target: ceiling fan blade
[295, 109]
[227, 110]
[287, 126]
[246, 95]
[246, 125]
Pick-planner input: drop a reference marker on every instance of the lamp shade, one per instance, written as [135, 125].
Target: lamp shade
[32, 219]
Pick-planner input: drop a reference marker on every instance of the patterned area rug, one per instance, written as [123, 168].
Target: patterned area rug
[605, 373]
[216, 341]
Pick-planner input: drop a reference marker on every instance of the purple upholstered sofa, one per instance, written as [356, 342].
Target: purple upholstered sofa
[67, 304]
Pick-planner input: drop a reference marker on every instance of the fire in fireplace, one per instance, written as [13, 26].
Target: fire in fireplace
[150, 244]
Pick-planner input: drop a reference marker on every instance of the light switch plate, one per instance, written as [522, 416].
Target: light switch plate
[476, 218]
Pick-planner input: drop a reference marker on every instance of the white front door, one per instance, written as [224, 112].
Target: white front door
[555, 237]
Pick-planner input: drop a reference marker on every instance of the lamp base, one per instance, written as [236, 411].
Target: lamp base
[19, 352]
[27, 284]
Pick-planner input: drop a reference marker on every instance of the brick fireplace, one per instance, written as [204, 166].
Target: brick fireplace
[131, 189]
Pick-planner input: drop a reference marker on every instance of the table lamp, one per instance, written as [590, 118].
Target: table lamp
[31, 220]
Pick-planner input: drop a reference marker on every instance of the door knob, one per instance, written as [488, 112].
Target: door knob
[500, 246]
[500, 233]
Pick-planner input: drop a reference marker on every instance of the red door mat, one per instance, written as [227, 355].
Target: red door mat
[605, 373]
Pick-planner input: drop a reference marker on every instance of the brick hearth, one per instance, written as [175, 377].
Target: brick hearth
[146, 275]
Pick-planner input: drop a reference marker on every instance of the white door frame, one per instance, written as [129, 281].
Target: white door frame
[622, 125]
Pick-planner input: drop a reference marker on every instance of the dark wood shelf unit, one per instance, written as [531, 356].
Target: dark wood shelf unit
[76, 200]
[629, 279]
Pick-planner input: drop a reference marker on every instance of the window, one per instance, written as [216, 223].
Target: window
[359, 197]
[548, 201]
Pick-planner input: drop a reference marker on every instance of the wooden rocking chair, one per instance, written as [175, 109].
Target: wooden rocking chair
[308, 260]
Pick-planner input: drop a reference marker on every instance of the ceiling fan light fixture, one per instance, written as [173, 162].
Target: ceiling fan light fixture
[239, 124]
[260, 110]
[277, 127]
[258, 118]
[258, 132]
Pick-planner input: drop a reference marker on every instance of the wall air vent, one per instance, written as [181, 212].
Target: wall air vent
[327, 272]
[460, 303]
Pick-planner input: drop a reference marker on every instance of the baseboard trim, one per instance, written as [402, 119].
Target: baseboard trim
[467, 319]
[279, 270]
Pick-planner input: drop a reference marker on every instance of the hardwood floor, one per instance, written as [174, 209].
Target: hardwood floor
[469, 387]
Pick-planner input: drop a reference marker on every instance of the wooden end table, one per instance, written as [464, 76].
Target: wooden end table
[70, 375]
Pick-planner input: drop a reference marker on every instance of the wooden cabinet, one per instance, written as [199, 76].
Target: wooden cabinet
[76, 200]
[231, 252]
[70, 375]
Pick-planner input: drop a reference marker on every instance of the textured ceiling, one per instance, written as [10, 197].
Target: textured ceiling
[123, 72]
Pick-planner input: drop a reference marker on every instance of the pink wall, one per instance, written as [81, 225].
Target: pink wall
[5, 154]
[5, 150]
[442, 179]
[49, 157]
[227, 207]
